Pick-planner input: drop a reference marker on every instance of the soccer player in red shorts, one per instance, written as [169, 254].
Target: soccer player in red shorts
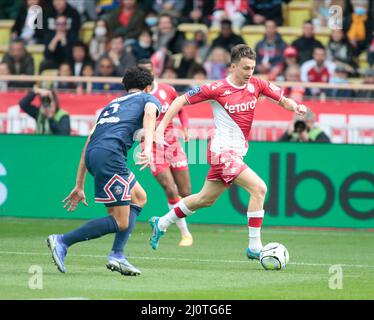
[234, 101]
[169, 164]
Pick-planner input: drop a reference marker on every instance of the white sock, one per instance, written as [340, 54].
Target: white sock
[182, 226]
[254, 233]
[168, 219]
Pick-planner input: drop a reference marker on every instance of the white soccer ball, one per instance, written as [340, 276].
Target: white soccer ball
[274, 256]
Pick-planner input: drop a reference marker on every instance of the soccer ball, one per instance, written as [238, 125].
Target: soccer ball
[274, 256]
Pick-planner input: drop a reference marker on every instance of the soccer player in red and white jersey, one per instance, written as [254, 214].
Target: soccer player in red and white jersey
[169, 164]
[234, 102]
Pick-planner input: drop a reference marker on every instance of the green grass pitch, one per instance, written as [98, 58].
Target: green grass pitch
[214, 268]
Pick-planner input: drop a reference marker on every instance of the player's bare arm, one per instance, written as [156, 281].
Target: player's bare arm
[292, 105]
[149, 125]
[174, 108]
[77, 194]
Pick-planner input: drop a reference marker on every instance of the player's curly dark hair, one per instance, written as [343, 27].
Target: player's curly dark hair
[137, 78]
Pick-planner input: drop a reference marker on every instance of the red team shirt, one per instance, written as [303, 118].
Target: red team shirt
[166, 95]
[171, 155]
[233, 110]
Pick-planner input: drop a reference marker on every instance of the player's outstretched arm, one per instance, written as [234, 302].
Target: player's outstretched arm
[292, 105]
[77, 194]
[174, 108]
[149, 125]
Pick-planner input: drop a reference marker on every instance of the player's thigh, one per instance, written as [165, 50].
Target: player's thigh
[211, 190]
[251, 182]
[138, 195]
[183, 181]
[121, 215]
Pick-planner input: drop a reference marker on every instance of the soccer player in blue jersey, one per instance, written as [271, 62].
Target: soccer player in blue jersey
[104, 156]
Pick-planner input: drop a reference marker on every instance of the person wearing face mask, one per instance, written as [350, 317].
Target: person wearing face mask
[359, 25]
[142, 48]
[151, 20]
[340, 77]
[100, 39]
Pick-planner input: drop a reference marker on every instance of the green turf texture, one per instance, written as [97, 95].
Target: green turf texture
[214, 268]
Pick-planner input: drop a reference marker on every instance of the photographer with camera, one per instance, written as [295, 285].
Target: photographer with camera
[49, 117]
[304, 130]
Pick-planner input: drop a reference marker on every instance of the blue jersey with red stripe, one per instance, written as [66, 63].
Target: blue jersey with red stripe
[118, 122]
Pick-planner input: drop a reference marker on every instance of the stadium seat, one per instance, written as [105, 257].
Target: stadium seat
[3, 50]
[190, 28]
[298, 12]
[323, 34]
[86, 31]
[5, 26]
[289, 34]
[37, 52]
[252, 34]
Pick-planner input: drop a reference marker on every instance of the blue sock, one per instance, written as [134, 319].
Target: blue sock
[121, 237]
[91, 230]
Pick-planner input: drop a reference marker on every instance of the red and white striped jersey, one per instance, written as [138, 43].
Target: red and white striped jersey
[233, 110]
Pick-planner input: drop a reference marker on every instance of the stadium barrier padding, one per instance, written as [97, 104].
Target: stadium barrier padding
[310, 185]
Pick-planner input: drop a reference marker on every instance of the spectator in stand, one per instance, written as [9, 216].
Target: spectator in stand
[87, 71]
[269, 52]
[26, 18]
[217, 64]
[86, 9]
[172, 7]
[290, 59]
[9, 9]
[317, 70]
[52, 13]
[120, 57]
[304, 129]
[234, 10]
[127, 20]
[198, 11]
[262, 10]
[100, 40]
[49, 117]
[202, 43]
[292, 74]
[167, 35]
[171, 73]
[64, 70]
[306, 43]
[107, 69]
[4, 71]
[80, 57]
[143, 47]
[59, 46]
[19, 62]
[103, 7]
[227, 38]
[188, 64]
[151, 21]
[369, 79]
[371, 51]
[359, 25]
[340, 51]
[340, 76]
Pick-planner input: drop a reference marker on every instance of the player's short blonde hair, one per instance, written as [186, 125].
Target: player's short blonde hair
[242, 51]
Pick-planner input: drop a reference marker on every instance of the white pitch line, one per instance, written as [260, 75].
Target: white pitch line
[190, 260]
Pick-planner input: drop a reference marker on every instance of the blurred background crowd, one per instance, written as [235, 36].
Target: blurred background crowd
[310, 41]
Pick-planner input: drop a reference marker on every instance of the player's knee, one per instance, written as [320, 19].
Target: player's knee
[185, 191]
[122, 224]
[141, 199]
[206, 201]
[259, 190]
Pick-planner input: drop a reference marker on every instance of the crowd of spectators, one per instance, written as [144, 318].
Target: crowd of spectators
[126, 31]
